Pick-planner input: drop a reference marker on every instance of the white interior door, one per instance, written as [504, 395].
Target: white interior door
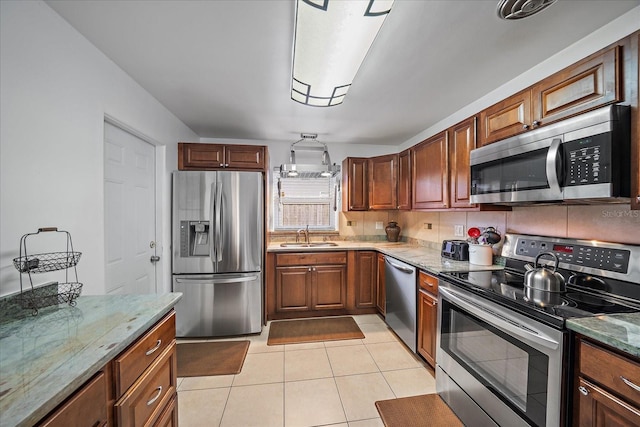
[129, 199]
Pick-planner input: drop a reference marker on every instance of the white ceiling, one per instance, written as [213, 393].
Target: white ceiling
[224, 67]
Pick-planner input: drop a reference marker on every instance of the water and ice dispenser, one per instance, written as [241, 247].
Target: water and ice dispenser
[194, 238]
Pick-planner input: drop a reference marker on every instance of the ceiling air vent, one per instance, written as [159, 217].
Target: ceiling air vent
[518, 9]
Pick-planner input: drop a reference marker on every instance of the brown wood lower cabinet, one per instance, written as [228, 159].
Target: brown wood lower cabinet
[135, 389]
[606, 387]
[381, 295]
[427, 317]
[149, 396]
[87, 406]
[311, 281]
[366, 278]
[327, 283]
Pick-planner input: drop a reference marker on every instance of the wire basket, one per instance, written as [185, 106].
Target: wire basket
[51, 294]
[50, 261]
[54, 293]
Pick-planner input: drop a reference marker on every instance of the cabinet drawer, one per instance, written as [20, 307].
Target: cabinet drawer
[88, 406]
[428, 282]
[130, 364]
[608, 369]
[149, 396]
[312, 258]
[169, 417]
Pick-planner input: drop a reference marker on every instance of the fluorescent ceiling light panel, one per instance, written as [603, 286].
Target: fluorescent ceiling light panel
[332, 38]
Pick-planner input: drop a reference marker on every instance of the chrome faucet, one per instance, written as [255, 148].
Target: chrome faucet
[306, 234]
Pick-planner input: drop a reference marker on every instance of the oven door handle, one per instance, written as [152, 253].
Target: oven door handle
[498, 318]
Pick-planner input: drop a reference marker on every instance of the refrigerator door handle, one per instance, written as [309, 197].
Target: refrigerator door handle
[212, 227]
[218, 241]
[221, 280]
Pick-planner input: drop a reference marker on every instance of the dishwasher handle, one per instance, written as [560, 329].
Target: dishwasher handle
[402, 268]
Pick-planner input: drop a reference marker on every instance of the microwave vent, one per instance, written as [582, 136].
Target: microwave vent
[518, 9]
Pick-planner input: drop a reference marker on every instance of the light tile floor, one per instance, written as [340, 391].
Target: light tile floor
[330, 383]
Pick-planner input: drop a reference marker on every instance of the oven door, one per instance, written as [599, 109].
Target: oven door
[514, 172]
[508, 365]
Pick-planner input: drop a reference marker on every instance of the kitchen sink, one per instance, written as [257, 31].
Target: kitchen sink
[308, 245]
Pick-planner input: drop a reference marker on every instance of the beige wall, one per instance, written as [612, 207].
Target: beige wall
[612, 223]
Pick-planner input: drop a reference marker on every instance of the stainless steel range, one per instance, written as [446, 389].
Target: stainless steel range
[503, 348]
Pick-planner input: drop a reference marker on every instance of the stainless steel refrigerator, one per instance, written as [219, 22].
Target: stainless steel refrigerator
[217, 246]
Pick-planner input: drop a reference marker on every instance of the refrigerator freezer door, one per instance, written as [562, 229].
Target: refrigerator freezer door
[239, 222]
[218, 305]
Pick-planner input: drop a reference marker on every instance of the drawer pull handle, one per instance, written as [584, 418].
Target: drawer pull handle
[153, 350]
[630, 384]
[156, 397]
[583, 390]
[427, 283]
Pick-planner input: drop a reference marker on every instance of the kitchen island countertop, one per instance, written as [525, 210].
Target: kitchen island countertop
[45, 358]
[621, 331]
[422, 257]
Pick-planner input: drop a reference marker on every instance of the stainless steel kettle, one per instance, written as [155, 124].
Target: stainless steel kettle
[543, 278]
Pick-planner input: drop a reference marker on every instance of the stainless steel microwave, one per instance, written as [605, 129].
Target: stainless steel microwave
[584, 159]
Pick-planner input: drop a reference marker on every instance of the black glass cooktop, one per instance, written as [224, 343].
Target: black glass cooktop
[507, 288]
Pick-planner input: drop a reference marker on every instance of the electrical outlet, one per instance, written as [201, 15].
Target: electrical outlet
[379, 225]
[428, 226]
[458, 230]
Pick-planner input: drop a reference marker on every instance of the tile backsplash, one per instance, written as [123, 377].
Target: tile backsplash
[611, 223]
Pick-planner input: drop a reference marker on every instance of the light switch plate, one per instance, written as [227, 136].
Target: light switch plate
[379, 225]
[458, 230]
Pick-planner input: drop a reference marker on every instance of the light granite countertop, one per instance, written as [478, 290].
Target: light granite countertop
[45, 358]
[422, 257]
[621, 331]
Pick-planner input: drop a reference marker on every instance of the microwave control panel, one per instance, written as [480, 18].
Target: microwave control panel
[587, 160]
[602, 258]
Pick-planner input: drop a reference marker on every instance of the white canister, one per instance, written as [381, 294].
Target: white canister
[480, 254]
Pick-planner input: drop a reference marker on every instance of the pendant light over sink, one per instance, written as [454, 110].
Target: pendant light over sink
[332, 38]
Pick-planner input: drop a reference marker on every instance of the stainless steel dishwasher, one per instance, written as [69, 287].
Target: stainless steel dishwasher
[400, 288]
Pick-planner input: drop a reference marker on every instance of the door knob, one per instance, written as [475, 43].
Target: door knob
[154, 258]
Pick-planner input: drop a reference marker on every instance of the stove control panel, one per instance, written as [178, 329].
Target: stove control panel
[602, 258]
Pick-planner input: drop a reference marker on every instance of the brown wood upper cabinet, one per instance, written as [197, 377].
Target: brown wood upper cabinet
[590, 83]
[462, 141]
[429, 169]
[198, 156]
[354, 184]
[383, 182]
[404, 180]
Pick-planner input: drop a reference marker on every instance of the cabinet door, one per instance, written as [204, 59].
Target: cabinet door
[383, 182]
[329, 287]
[293, 285]
[380, 290]
[194, 156]
[506, 118]
[588, 84]
[354, 184]
[429, 171]
[427, 324]
[597, 407]
[88, 406]
[404, 180]
[169, 417]
[244, 157]
[366, 275]
[463, 140]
